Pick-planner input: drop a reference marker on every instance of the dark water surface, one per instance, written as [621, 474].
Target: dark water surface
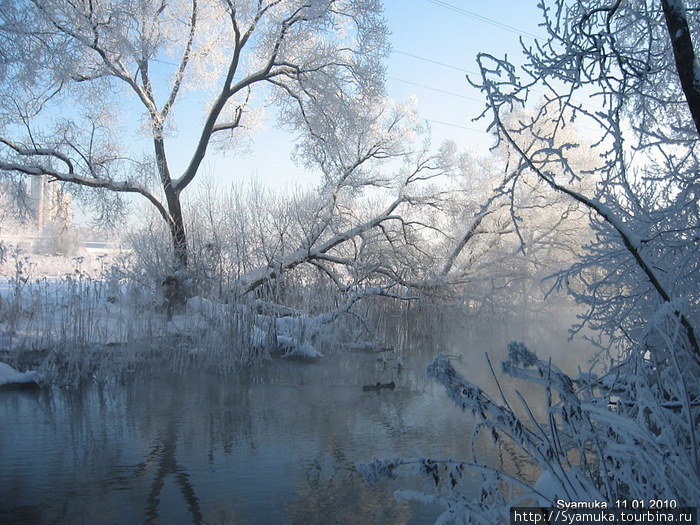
[276, 446]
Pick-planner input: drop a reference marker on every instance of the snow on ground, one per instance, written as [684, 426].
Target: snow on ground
[48, 313]
[293, 348]
[10, 376]
[52, 302]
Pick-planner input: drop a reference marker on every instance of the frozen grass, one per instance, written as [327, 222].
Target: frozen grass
[78, 325]
[91, 317]
[629, 434]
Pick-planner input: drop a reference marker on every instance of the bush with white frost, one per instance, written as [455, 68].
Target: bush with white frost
[630, 432]
[600, 440]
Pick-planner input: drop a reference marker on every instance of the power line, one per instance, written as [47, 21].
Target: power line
[482, 18]
[448, 93]
[435, 89]
[456, 126]
[424, 59]
[398, 52]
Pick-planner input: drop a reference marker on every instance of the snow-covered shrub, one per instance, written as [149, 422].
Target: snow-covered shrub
[113, 275]
[151, 257]
[59, 239]
[17, 294]
[622, 70]
[614, 437]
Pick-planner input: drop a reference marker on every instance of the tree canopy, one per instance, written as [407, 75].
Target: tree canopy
[84, 78]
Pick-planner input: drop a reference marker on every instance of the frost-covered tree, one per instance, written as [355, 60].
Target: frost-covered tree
[366, 228]
[96, 92]
[366, 217]
[621, 70]
[512, 229]
[625, 71]
[612, 68]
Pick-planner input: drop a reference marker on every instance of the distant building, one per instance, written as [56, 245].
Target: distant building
[49, 203]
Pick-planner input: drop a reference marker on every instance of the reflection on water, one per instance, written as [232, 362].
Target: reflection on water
[277, 446]
[280, 447]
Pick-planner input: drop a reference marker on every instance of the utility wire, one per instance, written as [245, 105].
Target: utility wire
[482, 18]
[443, 64]
[447, 93]
[435, 89]
[398, 52]
[456, 126]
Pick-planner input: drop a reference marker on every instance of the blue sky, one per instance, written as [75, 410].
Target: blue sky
[435, 43]
[452, 33]
[424, 35]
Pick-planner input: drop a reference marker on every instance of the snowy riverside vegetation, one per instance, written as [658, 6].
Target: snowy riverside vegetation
[628, 73]
[591, 190]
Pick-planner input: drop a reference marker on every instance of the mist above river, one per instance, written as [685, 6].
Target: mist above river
[276, 444]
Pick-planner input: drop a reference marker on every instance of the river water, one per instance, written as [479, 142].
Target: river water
[166, 444]
[275, 446]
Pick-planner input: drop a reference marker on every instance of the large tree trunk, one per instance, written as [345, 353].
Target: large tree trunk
[684, 54]
[172, 197]
[177, 229]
